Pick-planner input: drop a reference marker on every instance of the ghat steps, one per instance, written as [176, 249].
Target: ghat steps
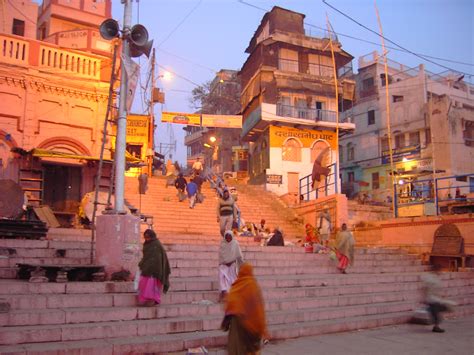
[304, 295]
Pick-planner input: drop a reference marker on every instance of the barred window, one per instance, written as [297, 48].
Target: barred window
[291, 150]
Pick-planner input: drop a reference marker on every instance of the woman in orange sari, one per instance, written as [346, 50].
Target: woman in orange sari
[245, 314]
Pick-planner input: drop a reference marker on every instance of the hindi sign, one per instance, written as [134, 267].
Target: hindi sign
[223, 121]
[191, 119]
[274, 179]
[307, 137]
[137, 127]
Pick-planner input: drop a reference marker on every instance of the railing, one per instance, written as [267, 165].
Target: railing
[311, 68]
[305, 113]
[69, 62]
[307, 192]
[436, 192]
[18, 52]
[13, 50]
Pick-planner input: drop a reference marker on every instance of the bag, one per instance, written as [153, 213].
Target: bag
[136, 280]
[332, 255]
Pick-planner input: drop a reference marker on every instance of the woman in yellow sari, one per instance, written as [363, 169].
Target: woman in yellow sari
[245, 314]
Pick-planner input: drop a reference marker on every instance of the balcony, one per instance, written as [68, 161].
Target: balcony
[315, 69]
[27, 52]
[310, 114]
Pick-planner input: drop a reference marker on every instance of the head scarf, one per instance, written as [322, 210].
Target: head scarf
[246, 302]
[229, 251]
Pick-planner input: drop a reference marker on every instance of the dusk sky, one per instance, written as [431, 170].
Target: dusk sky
[196, 38]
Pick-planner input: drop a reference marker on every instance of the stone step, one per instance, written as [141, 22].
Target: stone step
[132, 343]
[164, 319]
[8, 272]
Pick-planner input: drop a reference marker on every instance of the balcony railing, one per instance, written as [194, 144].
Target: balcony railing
[305, 68]
[16, 51]
[310, 114]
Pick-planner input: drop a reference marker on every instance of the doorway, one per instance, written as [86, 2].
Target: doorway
[62, 187]
[293, 183]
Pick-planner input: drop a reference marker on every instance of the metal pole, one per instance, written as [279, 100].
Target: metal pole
[122, 115]
[151, 138]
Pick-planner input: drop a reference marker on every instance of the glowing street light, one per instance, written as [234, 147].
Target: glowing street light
[167, 76]
[212, 139]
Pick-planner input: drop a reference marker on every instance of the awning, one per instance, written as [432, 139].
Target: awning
[46, 153]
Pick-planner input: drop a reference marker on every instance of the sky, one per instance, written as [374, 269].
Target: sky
[196, 38]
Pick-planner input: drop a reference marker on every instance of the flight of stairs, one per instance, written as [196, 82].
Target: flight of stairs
[304, 295]
[173, 217]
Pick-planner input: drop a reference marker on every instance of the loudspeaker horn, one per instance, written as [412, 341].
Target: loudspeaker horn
[109, 29]
[139, 35]
[136, 51]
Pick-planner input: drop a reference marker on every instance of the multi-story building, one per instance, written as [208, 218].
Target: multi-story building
[431, 123]
[54, 95]
[289, 102]
[217, 145]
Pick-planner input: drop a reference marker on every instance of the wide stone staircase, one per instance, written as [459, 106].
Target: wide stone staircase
[199, 224]
[304, 295]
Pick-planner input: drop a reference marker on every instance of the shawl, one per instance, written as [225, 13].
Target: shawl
[230, 251]
[345, 244]
[155, 262]
[276, 240]
[245, 301]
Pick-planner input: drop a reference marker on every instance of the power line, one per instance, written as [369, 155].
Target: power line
[392, 42]
[188, 61]
[361, 39]
[179, 76]
[179, 24]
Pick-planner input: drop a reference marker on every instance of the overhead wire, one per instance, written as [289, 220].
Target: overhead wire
[361, 39]
[391, 41]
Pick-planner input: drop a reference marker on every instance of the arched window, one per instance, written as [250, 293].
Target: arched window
[291, 150]
[320, 147]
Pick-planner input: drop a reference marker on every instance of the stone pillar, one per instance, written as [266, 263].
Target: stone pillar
[118, 242]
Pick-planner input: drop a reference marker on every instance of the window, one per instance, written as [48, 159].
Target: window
[288, 60]
[317, 149]
[367, 83]
[350, 151]
[341, 154]
[301, 107]
[397, 98]
[371, 117]
[375, 181]
[382, 79]
[350, 177]
[399, 140]
[384, 144]
[468, 133]
[291, 150]
[18, 27]
[414, 138]
[428, 136]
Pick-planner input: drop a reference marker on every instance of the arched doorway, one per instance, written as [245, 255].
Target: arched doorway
[321, 151]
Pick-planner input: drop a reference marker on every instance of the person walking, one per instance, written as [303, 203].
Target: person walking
[436, 304]
[324, 227]
[245, 314]
[197, 166]
[192, 189]
[344, 248]
[230, 259]
[180, 184]
[226, 213]
[155, 270]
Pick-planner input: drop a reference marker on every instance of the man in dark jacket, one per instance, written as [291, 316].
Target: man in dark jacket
[180, 184]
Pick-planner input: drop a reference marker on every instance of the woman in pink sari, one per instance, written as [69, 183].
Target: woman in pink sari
[344, 248]
[155, 271]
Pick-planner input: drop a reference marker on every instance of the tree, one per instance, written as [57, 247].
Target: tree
[217, 97]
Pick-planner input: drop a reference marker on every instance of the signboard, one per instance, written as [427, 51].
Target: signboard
[412, 152]
[137, 128]
[307, 137]
[224, 121]
[192, 119]
[274, 179]
[73, 39]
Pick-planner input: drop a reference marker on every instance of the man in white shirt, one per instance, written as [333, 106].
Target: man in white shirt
[197, 166]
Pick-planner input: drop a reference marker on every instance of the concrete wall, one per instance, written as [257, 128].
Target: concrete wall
[416, 234]
[26, 11]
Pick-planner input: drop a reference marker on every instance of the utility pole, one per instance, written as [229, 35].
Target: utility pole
[151, 138]
[122, 114]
